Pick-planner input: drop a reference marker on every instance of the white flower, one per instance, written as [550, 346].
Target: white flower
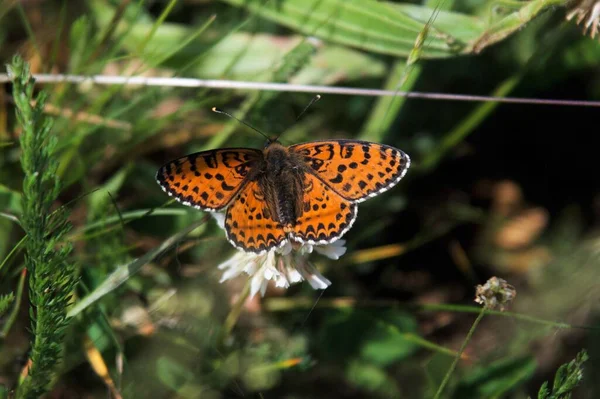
[284, 266]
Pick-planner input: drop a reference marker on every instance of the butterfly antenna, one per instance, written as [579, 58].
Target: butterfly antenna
[314, 100]
[220, 111]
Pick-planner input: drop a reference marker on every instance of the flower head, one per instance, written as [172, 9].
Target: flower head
[588, 10]
[283, 266]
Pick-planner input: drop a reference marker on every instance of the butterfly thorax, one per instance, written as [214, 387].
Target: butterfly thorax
[282, 185]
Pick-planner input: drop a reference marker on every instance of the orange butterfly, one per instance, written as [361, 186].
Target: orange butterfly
[306, 192]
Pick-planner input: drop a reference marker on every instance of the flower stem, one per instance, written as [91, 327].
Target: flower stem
[234, 313]
[459, 354]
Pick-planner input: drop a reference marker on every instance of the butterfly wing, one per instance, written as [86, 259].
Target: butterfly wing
[248, 222]
[208, 180]
[356, 170]
[326, 216]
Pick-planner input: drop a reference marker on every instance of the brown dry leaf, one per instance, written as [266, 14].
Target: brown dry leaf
[523, 261]
[506, 197]
[166, 107]
[377, 253]
[522, 230]
[135, 315]
[99, 366]
[86, 117]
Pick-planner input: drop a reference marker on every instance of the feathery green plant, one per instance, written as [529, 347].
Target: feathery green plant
[566, 379]
[5, 301]
[51, 276]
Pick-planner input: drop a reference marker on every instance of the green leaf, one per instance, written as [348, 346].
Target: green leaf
[389, 342]
[495, 379]
[391, 28]
[10, 200]
[239, 55]
[98, 199]
[380, 339]
[365, 24]
[79, 41]
[172, 374]
[124, 272]
[372, 378]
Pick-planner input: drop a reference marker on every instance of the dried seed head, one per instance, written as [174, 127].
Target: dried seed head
[496, 293]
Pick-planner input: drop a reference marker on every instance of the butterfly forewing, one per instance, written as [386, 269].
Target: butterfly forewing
[356, 170]
[325, 215]
[208, 180]
[248, 222]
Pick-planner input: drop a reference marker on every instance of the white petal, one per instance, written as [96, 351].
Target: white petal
[219, 218]
[334, 250]
[257, 284]
[251, 267]
[294, 276]
[229, 274]
[314, 278]
[263, 287]
[305, 249]
[318, 282]
[268, 273]
[281, 281]
[285, 249]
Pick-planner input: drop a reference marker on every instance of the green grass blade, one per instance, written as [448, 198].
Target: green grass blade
[124, 272]
[369, 25]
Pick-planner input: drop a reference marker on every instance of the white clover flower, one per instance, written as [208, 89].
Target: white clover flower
[283, 266]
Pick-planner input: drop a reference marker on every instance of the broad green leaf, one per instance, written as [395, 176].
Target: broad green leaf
[10, 200]
[172, 374]
[390, 28]
[390, 340]
[462, 27]
[372, 378]
[380, 339]
[239, 55]
[365, 24]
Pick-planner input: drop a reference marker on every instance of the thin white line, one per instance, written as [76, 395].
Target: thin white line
[284, 87]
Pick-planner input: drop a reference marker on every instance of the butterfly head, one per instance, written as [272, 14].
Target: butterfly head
[271, 140]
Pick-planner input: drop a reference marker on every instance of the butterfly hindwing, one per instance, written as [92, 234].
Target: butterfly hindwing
[208, 180]
[248, 222]
[356, 170]
[325, 215]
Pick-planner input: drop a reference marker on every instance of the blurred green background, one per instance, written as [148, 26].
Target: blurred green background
[507, 190]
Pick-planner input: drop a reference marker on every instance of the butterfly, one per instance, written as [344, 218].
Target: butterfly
[306, 193]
